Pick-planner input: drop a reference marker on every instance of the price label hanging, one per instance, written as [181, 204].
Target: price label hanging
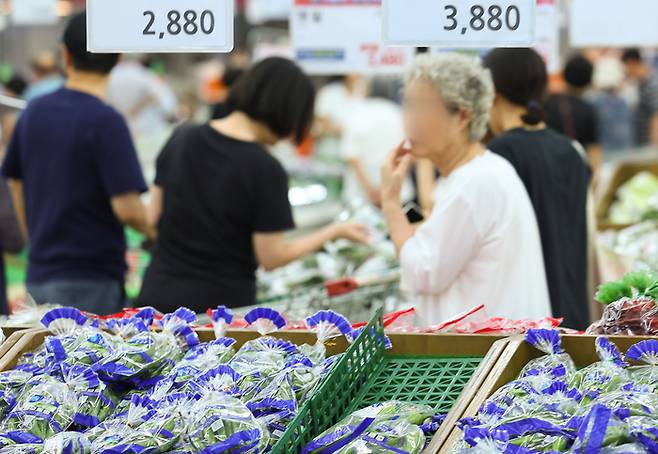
[343, 36]
[160, 26]
[459, 23]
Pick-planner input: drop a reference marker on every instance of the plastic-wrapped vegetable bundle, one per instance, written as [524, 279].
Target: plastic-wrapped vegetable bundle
[12, 383]
[327, 325]
[605, 376]
[96, 400]
[260, 359]
[221, 423]
[67, 443]
[645, 352]
[556, 363]
[386, 427]
[77, 340]
[141, 359]
[601, 428]
[221, 319]
[42, 411]
[197, 361]
[24, 448]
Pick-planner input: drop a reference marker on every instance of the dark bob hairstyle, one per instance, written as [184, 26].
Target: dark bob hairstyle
[520, 76]
[277, 93]
[75, 41]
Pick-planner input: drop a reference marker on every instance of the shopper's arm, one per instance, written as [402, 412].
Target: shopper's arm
[394, 172]
[130, 211]
[595, 155]
[154, 208]
[16, 188]
[274, 250]
[11, 237]
[374, 193]
[426, 183]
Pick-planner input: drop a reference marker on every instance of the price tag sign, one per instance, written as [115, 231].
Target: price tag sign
[160, 25]
[343, 36]
[459, 23]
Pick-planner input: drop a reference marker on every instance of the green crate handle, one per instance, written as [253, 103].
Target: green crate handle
[335, 393]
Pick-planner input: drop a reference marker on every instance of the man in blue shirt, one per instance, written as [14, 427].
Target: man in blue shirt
[76, 182]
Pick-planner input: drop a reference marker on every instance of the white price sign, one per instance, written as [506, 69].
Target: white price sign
[31, 12]
[459, 23]
[343, 36]
[160, 25]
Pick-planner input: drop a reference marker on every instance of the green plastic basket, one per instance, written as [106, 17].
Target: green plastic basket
[365, 375]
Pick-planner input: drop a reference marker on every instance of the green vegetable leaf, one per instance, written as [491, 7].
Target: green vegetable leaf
[613, 291]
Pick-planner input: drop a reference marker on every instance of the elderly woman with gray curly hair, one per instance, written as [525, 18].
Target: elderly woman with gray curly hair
[480, 245]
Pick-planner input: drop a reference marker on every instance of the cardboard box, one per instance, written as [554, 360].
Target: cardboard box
[490, 348]
[516, 355]
[623, 172]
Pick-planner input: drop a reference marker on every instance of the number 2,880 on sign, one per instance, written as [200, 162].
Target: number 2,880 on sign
[493, 18]
[188, 22]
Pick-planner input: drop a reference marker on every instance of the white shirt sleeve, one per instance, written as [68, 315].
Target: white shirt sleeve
[434, 257]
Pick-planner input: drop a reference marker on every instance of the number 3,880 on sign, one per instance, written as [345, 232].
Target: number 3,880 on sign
[459, 23]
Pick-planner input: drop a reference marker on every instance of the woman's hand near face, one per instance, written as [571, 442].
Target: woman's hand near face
[394, 172]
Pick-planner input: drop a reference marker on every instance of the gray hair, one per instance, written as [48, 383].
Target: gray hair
[463, 83]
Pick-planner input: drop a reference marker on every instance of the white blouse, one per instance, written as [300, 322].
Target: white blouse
[481, 245]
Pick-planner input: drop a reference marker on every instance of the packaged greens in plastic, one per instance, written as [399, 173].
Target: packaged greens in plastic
[12, 383]
[67, 443]
[197, 361]
[645, 352]
[556, 363]
[43, 411]
[605, 376]
[24, 448]
[221, 423]
[261, 358]
[149, 354]
[601, 428]
[327, 325]
[645, 431]
[96, 400]
[386, 427]
[221, 319]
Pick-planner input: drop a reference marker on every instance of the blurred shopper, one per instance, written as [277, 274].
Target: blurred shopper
[14, 87]
[46, 74]
[615, 119]
[229, 78]
[373, 126]
[570, 114]
[332, 106]
[75, 180]
[646, 116]
[220, 200]
[11, 239]
[144, 100]
[481, 244]
[554, 172]
[148, 104]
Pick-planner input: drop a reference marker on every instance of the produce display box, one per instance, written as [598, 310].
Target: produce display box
[512, 361]
[443, 371]
[623, 172]
[13, 334]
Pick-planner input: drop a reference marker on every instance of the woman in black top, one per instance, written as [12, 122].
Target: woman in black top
[554, 172]
[220, 200]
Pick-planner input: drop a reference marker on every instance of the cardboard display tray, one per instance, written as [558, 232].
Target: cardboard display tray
[516, 355]
[622, 173]
[489, 348]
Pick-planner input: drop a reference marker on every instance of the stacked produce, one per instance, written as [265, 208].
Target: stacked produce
[340, 259]
[607, 407]
[637, 200]
[125, 388]
[389, 427]
[635, 246]
[631, 306]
